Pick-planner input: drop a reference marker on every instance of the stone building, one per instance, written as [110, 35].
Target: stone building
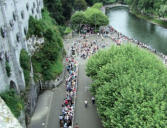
[14, 17]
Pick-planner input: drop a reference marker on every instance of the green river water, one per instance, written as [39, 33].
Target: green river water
[139, 29]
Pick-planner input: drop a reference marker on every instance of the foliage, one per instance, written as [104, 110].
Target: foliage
[77, 19]
[92, 16]
[67, 30]
[130, 86]
[67, 8]
[35, 28]
[80, 5]
[97, 5]
[151, 19]
[47, 56]
[95, 17]
[8, 69]
[146, 7]
[55, 8]
[149, 7]
[25, 64]
[62, 29]
[13, 101]
[60, 10]
[91, 2]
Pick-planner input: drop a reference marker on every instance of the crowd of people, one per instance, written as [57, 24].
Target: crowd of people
[120, 38]
[84, 48]
[71, 84]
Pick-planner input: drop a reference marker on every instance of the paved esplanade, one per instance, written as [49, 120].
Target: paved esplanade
[85, 117]
[49, 104]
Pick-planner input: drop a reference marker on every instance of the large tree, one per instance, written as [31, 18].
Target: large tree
[78, 19]
[56, 10]
[96, 18]
[67, 8]
[80, 5]
[130, 86]
[92, 16]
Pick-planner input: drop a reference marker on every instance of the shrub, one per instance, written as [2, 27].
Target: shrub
[67, 30]
[8, 69]
[47, 57]
[13, 101]
[35, 28]
[25, 64]
[130, 86]
[97, 5]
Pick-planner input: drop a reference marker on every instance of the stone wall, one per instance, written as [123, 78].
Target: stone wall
[14, 17]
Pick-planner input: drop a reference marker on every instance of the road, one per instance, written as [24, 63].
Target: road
[85, 117]
[49, 103]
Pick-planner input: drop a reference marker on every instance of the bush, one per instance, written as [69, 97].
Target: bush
[35, 28]
[13, 101]
[8, 69]
[62, 30]
[67, 30]
[80, 5]
[47, 57]
[130, 86]
[97, 5]
[26, 65]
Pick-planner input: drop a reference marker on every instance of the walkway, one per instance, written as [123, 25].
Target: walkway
[49, 103]
[85, 117]
[48, 109]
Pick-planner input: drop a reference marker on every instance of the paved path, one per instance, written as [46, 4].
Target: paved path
[85, 117]
[48, 108]
[55, 109]
[49, 103]
[39, 117]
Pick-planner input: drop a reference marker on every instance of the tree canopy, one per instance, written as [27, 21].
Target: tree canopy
[78, 18]
[47, 59]
[92, 16]
[95, 16]
[149, 7]
[130, 86]
[80, 5]
[146, 7]
[60, 10]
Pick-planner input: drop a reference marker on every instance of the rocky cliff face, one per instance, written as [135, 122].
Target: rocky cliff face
[14, 17]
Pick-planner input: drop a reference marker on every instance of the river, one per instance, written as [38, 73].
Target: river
[137, 28]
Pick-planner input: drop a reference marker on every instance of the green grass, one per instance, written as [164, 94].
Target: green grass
[13, 101]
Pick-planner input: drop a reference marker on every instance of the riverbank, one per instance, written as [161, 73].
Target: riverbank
[150, 19]
[120, 38]
[147, 18]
